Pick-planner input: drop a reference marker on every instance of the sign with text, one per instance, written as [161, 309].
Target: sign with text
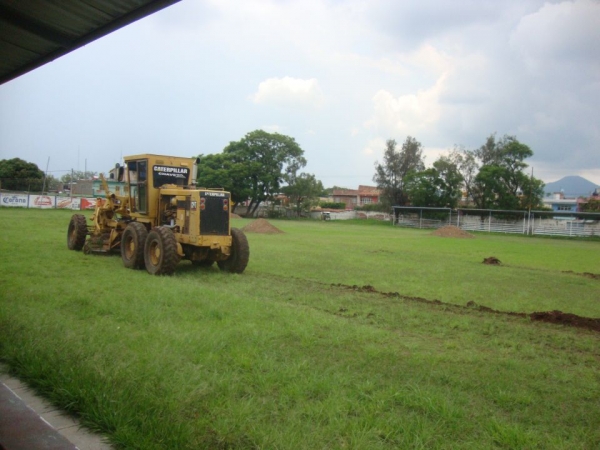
[13, 200]
[170, 175]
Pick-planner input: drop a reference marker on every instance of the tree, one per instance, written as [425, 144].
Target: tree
[76, 175]
[19, 175]
[391, 175]
[220, 171]
[493, 175]
[438, 186]
[267, 158]
[303, 191]
[592, 205]
[329, 191]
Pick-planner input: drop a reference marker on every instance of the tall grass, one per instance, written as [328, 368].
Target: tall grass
[279, 357]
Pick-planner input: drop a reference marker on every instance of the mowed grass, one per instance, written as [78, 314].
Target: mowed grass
[279, 358]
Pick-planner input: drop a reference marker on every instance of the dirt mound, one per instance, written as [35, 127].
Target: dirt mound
[567, 319]
[452, 231]
[553, 317]
[235, 216]
[261, 226]
[492, 260]
[594, 276]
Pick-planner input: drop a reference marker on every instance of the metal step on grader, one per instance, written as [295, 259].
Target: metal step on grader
[156, 216]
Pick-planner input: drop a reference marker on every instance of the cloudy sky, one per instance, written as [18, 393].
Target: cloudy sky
[340, 76]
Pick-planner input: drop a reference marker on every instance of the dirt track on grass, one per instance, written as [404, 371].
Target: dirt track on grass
[554, 317]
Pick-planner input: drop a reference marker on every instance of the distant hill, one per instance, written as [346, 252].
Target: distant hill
[572, 186]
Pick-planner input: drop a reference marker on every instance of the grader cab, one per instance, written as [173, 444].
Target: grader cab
[155, 216]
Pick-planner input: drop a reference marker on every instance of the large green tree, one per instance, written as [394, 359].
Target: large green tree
[494, 176]
[390, 175]
[254, 167]
[438, 186]
[303, 191]
[219, 170]
[19, 175]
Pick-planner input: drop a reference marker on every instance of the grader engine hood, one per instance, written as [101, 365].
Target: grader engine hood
[214, 213]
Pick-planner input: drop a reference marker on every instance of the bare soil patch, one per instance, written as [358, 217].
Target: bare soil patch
[261, 226]
[235, 216]
[593, 276]
[554, 317]
[492, 260]
[452, 231]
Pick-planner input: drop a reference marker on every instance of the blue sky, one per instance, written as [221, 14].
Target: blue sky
[340, 77]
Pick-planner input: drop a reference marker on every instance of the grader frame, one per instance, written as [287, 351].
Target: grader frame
[158, 217]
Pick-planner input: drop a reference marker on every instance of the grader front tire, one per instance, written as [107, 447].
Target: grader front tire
[132, 245]
[240, 253]
[160, 252]
[77, 232]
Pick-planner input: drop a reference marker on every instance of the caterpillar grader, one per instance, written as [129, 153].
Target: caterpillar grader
[158, 216]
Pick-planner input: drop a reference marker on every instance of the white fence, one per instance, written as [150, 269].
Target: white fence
[552, 223]
[10, 199]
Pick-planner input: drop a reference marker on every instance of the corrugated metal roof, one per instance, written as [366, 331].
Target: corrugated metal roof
[35, 32]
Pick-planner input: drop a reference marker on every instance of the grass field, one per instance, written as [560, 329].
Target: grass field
[282, 357]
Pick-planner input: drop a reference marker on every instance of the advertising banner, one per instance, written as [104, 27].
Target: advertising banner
[13, 200]
[88, 203]
[65, 202]
[76, 203]
[41, 201]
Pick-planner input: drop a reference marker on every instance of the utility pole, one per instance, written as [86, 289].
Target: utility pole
[45, 176]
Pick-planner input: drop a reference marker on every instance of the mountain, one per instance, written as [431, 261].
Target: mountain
[571, 186]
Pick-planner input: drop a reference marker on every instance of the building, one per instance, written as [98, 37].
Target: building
[364, 195]
[557, 202]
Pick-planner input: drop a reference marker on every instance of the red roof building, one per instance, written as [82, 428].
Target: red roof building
[364, 195]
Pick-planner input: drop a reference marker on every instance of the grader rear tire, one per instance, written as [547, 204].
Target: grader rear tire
[240, 253]
[160, 252]
[77, 232]
[132, 245]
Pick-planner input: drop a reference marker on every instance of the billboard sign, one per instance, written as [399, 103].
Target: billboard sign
[14, 200]
[87, 203]
[41, 201]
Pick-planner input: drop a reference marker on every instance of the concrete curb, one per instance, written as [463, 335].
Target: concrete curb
[28, 422]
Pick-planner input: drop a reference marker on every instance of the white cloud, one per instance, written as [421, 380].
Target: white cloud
[558, 34]
[289, 92]
[432, 154]
[407, 114]
[375, 147]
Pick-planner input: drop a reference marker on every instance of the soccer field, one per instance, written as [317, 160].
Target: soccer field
[337, 335]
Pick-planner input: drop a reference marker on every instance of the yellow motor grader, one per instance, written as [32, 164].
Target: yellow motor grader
[157, 216]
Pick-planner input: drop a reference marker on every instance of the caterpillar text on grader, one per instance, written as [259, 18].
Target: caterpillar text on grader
[157, 216]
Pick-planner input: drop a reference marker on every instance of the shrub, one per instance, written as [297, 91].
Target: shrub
[333, 205]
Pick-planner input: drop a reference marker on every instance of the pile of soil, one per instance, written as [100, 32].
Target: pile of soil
[594, 276]
[492, 260]
[235, 216]
[452, 231]
[261, 226]
[568, 319]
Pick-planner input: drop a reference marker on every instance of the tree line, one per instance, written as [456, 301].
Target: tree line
[491, 176]
[17, 174]
[262, 165]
